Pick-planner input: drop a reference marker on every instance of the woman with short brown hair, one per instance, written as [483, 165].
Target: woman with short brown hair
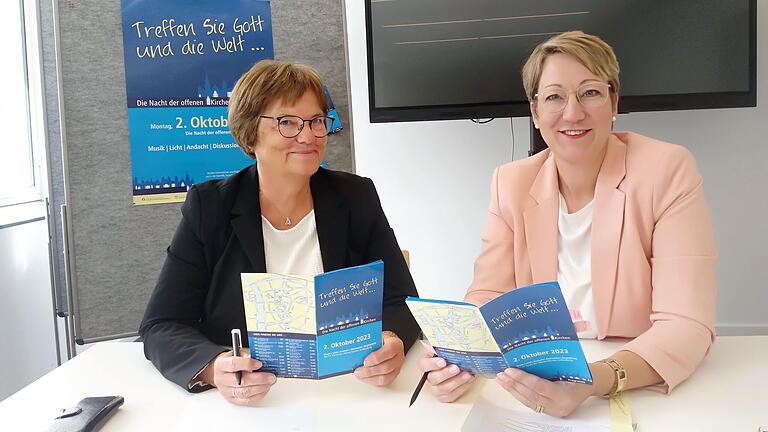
[284, 214]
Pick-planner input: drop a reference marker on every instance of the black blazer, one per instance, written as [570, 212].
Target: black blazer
[198, 298]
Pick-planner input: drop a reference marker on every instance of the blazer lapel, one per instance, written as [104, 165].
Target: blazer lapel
[607, 223]
[246, 221]
[332, 221]
[541, 223]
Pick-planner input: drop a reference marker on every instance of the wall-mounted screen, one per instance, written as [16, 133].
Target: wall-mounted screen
[458, 59]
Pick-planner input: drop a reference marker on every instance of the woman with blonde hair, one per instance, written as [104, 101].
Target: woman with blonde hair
[617, 218]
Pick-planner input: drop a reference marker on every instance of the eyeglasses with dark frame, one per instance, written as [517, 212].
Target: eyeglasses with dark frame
[290, 126]
[590, 95]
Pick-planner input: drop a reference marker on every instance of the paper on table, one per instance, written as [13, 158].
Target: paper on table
[496, 409]
[621, 414]
[486, 416]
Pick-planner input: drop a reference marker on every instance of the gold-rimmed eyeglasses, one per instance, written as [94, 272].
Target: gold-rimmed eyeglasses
[590, 95]
[291, 126]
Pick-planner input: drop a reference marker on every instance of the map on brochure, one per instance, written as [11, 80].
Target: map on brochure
[314, 327]
[527, 328]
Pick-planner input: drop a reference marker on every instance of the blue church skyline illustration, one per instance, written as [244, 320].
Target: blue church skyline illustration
[359, 317]
[526, 337]
[164, 184]
[206, 90]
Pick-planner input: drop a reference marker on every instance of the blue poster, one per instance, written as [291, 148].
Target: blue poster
[182, 60]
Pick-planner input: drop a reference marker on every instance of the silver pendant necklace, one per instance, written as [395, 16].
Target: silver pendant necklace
[288, 221]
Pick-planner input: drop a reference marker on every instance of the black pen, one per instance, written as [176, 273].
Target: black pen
[237, 343]
[419, 386]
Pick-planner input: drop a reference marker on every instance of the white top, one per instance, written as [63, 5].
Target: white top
[295, 250]
[574, 267]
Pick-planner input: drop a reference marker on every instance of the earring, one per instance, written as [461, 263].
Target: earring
[536, 125]
[613, 118]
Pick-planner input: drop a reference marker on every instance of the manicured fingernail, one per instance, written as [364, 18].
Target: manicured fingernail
[441, 363]
[454, 369]
[466, 377]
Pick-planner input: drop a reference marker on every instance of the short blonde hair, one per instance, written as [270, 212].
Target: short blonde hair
[591, 51]
[266, 82]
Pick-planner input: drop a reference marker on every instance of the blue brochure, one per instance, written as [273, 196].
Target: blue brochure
[527, 328]
[303, 327]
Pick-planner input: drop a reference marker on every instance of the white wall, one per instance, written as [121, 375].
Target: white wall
[433, 178]
[27, 332]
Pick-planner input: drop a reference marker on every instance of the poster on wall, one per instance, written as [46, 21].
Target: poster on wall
[182, 60]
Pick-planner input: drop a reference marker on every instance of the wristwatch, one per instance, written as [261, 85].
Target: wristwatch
[621, 377]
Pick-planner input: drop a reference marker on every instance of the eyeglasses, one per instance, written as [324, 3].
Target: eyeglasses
[590, 95]
[291, 126]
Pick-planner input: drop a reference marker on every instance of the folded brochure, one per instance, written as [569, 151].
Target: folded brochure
[527, 328]
[314, 327]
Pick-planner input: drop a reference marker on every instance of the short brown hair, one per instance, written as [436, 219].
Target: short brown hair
[591, 51]
[268, 81]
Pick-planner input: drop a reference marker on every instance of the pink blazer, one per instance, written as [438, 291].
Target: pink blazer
[653, 251]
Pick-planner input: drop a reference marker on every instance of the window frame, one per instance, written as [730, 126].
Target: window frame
[29, 16]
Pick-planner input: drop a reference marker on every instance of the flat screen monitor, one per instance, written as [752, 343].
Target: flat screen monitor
[461, 59]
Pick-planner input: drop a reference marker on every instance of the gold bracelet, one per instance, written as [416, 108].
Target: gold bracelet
[621, 377]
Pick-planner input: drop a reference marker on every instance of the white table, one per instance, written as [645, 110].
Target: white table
[728, 393]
